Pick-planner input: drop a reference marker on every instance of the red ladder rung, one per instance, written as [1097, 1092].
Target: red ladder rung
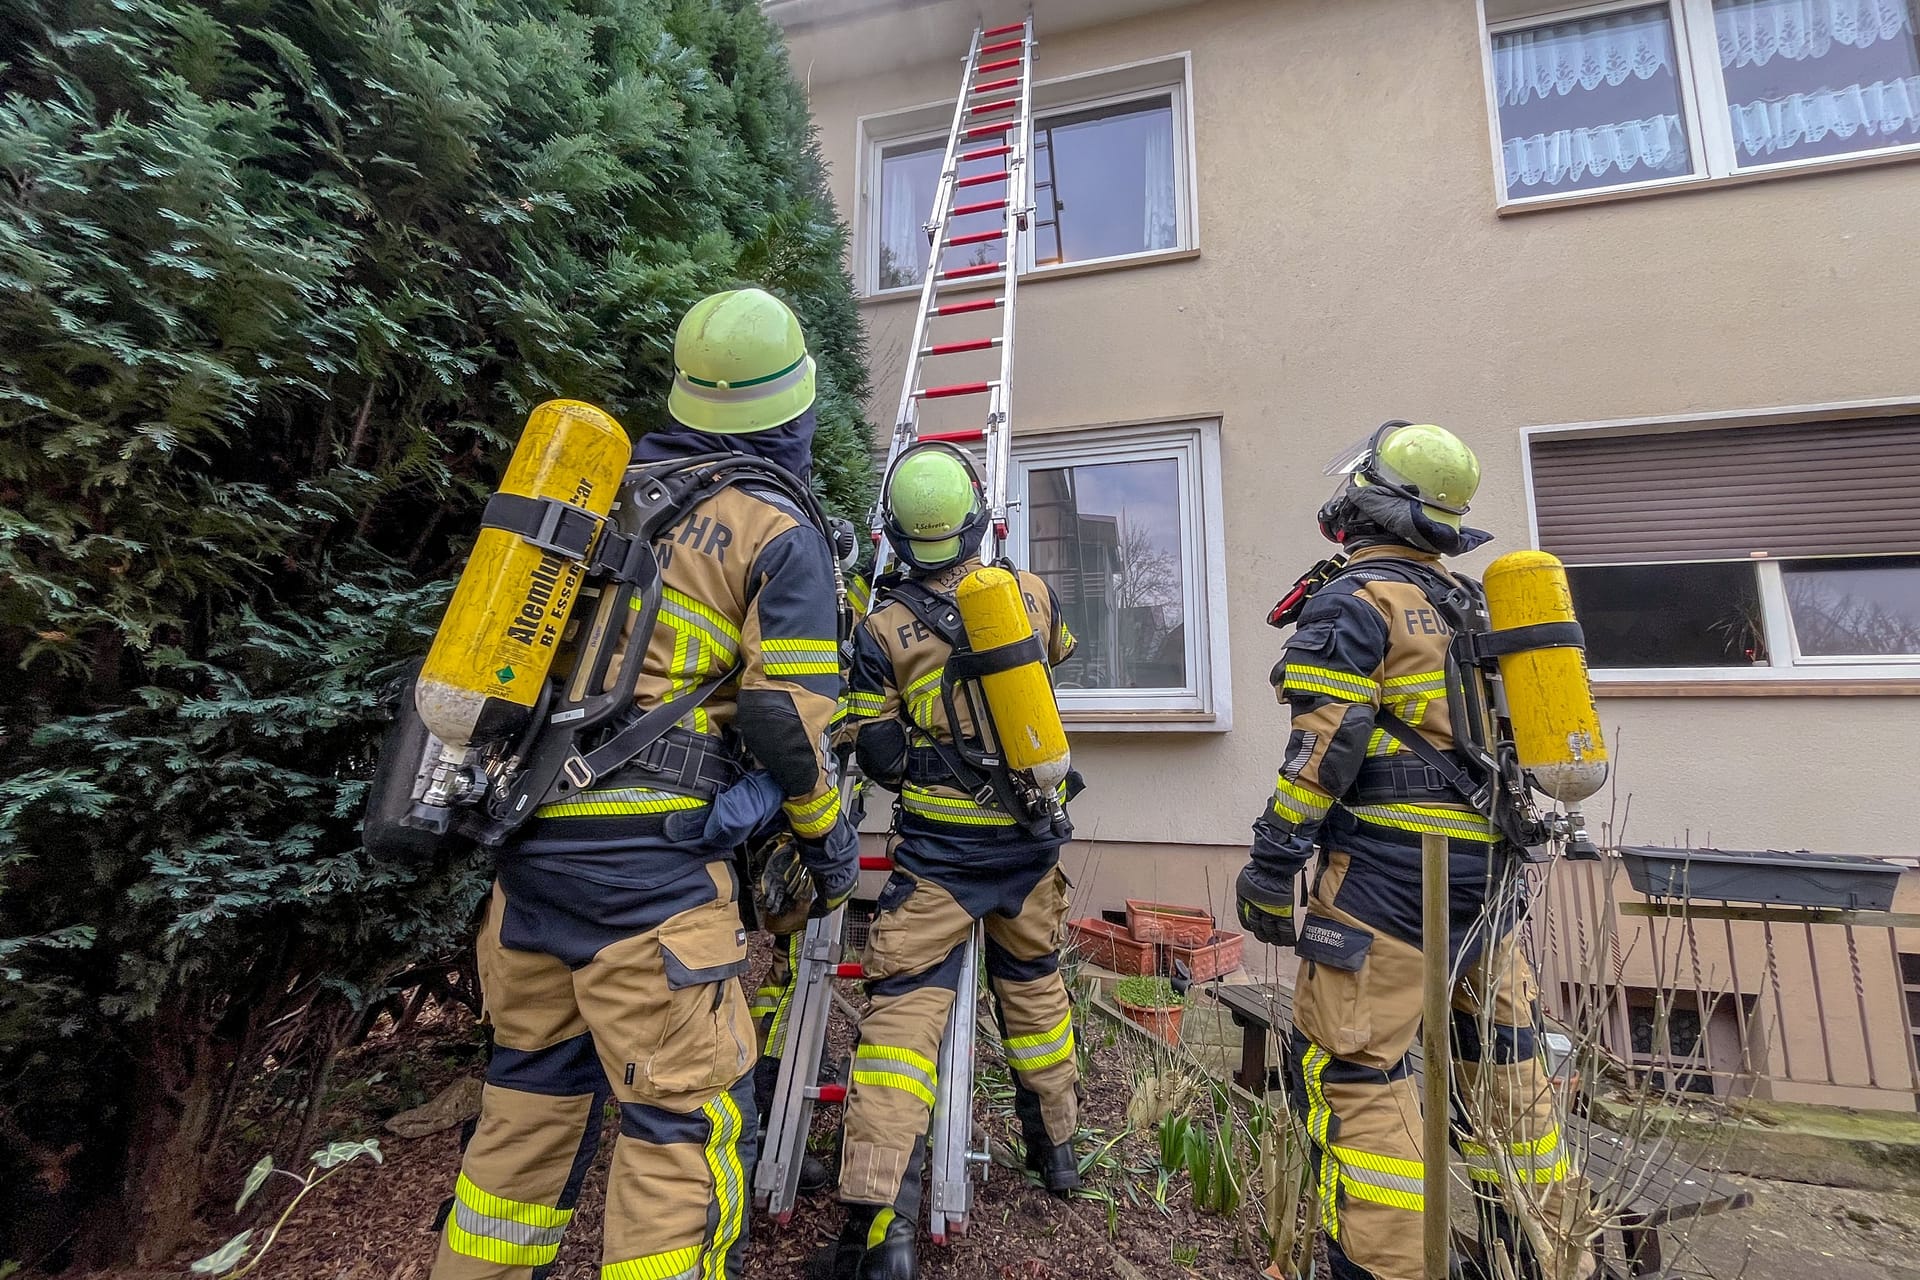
[846, 971]
[1001, 65]
[955, 437]
[966, 308]
[985, 206]
[986, 153]
[978, 237]
[988, 130]
[955, 389]
[830, 1093]
[1007, 30]
[987, 107]
[963, 273]
[982, 179]
[955, 348]
[876, 864]
[1001, 47]
[996, 86]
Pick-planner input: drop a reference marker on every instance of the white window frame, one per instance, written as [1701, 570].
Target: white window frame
[1704, 101]
[1784, 661]
[1205, 705]
[1109, 86]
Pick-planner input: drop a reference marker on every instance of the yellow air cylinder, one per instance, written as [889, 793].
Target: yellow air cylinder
[1556, 728]
[1026, 720]
[496, 643]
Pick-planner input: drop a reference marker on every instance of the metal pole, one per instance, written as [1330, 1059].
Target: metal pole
[1436, 1053]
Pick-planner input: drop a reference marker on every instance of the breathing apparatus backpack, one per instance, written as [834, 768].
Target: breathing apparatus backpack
[1015, 757]
[507, 712]
[1518, 692]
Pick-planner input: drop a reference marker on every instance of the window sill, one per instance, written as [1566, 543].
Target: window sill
[1041, 274]
[1761, 688]
[1145, 721]
[1681, 186]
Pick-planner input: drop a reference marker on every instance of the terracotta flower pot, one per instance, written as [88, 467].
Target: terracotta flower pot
[1163, 1020]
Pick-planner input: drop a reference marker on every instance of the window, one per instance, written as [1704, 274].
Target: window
[1110, 175]
[1124, 526]
[1638, 94]
[1787, 550]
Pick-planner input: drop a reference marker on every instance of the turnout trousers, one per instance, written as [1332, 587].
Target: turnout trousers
[914, 952]
[599, 993]
[1357, 1009]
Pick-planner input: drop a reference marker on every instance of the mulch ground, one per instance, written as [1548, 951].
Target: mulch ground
[374, 1222]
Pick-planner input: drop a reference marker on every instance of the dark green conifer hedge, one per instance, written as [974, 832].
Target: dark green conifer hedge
[279, 280]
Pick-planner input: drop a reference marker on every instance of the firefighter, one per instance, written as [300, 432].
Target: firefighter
[957, 860]
[611, 950]
[1374, 637]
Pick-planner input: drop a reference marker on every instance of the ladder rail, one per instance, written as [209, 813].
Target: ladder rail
[1019, 192]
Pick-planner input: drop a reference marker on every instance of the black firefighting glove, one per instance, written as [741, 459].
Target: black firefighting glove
[1265, 904]
[834, 863]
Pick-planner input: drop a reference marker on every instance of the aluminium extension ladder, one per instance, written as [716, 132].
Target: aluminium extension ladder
[992, 120]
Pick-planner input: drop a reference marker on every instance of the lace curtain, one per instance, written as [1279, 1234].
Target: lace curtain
[1657, 144]
[1161, 229]
[1532, 64]
[1754, 32]
[1878, 109]
[903, 208]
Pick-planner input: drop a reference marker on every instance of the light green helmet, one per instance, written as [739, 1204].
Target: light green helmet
[740, 364]
[932, 508]
[1428, 464]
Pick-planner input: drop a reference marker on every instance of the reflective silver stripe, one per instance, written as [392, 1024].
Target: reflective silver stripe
[747, 394]
[1033, 1053]
[508, 1231]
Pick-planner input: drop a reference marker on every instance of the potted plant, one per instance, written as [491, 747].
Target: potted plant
[1151, 1003]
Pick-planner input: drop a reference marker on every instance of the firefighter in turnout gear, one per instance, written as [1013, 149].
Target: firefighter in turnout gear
[959, 858]
[611, 950]
[1367, 667]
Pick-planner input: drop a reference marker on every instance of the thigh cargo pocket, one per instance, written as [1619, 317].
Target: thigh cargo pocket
[1331, 1006]
[706, 1033]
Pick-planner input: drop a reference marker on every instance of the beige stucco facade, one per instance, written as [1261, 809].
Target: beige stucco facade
[1351, 266]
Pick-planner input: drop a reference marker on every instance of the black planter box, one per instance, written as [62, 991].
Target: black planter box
[1789, 879]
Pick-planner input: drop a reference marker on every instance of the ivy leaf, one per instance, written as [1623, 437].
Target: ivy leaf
[339, 1153]
[226, 1257]
[256, 1178]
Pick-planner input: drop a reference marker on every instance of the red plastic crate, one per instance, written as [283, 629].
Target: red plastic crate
[1164, 922]
[1108, 946]
[1220, 954]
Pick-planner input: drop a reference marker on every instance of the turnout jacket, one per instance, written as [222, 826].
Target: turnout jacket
[1370, 639]
[749, 599]
[897, 713]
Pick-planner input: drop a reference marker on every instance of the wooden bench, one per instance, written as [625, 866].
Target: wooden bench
[1654, 1184]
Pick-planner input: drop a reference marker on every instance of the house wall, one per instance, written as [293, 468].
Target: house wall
[1351, 267]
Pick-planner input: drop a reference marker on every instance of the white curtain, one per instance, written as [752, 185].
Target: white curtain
[1754, 32]
[1161, 229]
[1881, 108]
[1530, 64]
[1658, 143]
[903, 214]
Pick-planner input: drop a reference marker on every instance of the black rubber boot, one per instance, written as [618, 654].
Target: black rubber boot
[841, 1259]
[1053, 1163]
[815, 1177]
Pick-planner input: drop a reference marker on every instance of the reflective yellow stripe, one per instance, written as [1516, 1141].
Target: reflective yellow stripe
[804, 657]
[1345, 685]
[777, 1033]
[1538, 1161]
[893, 1053]
[1460, 824]
[680, 1264]
[492, 1228]
[729, 1182]
[618, 802]
[894, 1080]
[813, 817]
[680, 600]
[797, 667]
[1319, 1122]
[1037, 1052]
[866, 705]
[1393, 1197]
[780, 644]
[923, 695]
[926, 804]
[1292, 798]
[1418, 681]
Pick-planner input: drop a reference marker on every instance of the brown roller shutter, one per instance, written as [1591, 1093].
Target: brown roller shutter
[1800, 489]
